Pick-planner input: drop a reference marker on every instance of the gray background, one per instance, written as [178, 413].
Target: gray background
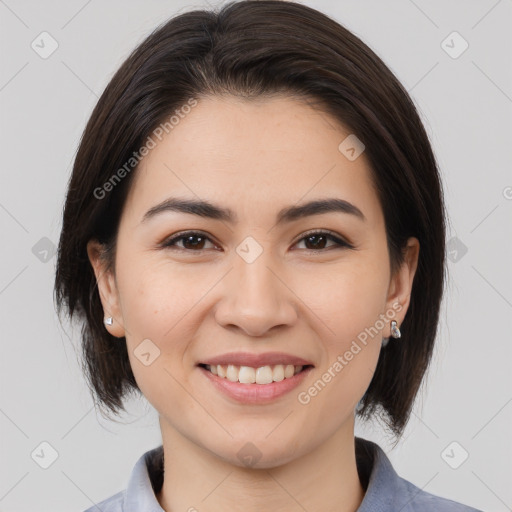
[466, 104]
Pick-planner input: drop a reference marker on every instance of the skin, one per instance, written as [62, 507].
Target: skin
[254, 157]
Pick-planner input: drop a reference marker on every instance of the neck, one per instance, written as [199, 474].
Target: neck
[323, 480]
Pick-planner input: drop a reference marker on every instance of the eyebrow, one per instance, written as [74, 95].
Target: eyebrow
[209, 210]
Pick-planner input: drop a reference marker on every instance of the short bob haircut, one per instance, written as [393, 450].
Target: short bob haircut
[250, 49]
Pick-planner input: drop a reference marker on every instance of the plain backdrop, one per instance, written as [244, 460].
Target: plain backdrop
[458, 442]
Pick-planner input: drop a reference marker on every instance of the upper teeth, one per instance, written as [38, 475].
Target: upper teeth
[249, 375]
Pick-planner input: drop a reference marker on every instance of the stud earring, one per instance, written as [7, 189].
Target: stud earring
[395, 331]
[108, 320]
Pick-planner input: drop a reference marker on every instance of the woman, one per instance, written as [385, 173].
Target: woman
[254, 239]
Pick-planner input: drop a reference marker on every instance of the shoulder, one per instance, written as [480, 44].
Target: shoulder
[417, 500]
[387, 491]
[112, 504]
[139, 495]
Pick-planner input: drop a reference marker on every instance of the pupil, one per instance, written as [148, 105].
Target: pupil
[312, 237]
[192, 237]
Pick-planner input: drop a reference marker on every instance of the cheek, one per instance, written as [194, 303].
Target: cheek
[349, 298]
[351, 303]
[350, 354]
[156, 308]
[156, 298]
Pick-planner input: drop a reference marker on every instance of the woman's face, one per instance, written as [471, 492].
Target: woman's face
[255, 283]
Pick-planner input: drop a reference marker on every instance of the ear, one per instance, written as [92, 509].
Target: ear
[107, 288]
[400, 286]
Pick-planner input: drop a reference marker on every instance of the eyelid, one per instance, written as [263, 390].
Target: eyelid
[319, 231]
[338, 239]
[182, 234]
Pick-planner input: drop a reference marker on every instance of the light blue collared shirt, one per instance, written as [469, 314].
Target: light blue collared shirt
[385, 491]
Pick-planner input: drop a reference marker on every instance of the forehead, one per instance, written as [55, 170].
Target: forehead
[253, 154]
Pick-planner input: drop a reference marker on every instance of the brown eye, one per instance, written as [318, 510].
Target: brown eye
[317, 241]
[191, 241]
[194, 241]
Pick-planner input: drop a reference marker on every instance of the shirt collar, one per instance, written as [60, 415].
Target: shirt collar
[148, 472]
[384, 489]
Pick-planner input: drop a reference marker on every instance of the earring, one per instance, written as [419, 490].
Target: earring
[395, 331]
[108, 320]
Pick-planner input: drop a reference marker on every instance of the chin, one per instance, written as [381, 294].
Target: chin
[253, 452]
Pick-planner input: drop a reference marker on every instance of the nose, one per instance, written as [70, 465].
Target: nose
[255, 298]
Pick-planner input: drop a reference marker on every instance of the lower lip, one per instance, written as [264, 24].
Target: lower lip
[255, 393]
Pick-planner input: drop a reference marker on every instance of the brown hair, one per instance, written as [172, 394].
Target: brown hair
[255, 48]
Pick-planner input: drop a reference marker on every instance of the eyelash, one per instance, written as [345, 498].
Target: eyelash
[170, 242]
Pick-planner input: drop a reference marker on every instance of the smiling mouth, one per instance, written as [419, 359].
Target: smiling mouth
[249, 375]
